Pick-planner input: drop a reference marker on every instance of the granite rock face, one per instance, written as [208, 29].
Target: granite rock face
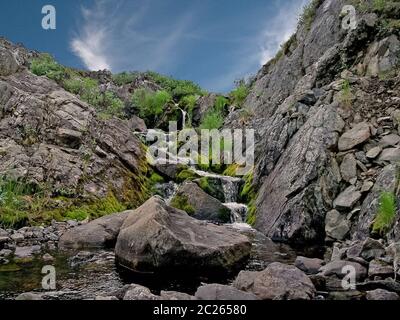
[50, 137]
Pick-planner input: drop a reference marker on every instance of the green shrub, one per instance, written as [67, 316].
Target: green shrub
[45, 65]
[150, 104]
[181, 202]
[240, 94]
[386, 213]
[214, 119]
[108, 105]
[188, 103]
[124, 78]
[177, 88]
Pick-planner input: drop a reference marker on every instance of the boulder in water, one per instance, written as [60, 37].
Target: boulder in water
[158, 238]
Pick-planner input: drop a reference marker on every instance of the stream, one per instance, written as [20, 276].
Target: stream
[90, 274]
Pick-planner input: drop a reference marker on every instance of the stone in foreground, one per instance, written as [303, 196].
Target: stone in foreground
[158, 238]
[222, 292]
[99, 233]
[277, 282]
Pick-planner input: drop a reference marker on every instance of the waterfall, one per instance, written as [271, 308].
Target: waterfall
[239, 211]
[184, 116]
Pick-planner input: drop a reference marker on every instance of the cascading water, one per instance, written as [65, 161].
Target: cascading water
[230, 186]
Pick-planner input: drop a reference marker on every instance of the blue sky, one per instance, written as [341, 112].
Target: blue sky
[212, 42]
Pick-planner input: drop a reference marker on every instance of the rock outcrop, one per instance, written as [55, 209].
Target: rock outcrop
[50, 138]
[327, 124]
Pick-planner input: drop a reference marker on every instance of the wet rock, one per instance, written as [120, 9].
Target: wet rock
[374, 152]
[277, 282]
[390, 155]
[156, 237]
[372, 249]
[347, 199]
[106, 298]
[337, 268]
[176, 296]
[137, 292]
[205, 207]
[5, 252]
[380, 294]
[99, 233]
[309, 265]
[346, 295]
[380, 269]
[348, 168]
[81, 258]
[26, 252]
[222, 292]
[336, 225]
[357, 135]
[27, 296]
[48, 258]
[387, 284]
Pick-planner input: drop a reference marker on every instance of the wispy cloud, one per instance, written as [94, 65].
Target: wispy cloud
[113, 36]
[279, 29]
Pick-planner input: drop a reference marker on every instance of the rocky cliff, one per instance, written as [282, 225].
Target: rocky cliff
[326, 111]
[54, 142]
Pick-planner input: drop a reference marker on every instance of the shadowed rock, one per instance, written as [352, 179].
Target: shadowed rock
[157, 238]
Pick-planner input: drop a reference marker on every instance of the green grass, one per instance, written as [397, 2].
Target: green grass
[182, 203]
[240, 94]
[309, 12]
[346, 95]
[45, 65]
[24, 204]
[214, 119]
[386, 213]
[176, 88]
[124, 78]
[186, 175]
[150, 105]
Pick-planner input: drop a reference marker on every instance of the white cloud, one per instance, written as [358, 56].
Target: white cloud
[279, 29]
[112, 36]
[89, 47]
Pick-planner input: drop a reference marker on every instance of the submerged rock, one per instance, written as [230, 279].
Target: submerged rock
[277, 282]
[222, 292]
[156, 238]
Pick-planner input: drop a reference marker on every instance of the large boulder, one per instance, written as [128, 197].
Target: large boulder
[277, 282]
[204, 206]
[158, 238]
[99, 233]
